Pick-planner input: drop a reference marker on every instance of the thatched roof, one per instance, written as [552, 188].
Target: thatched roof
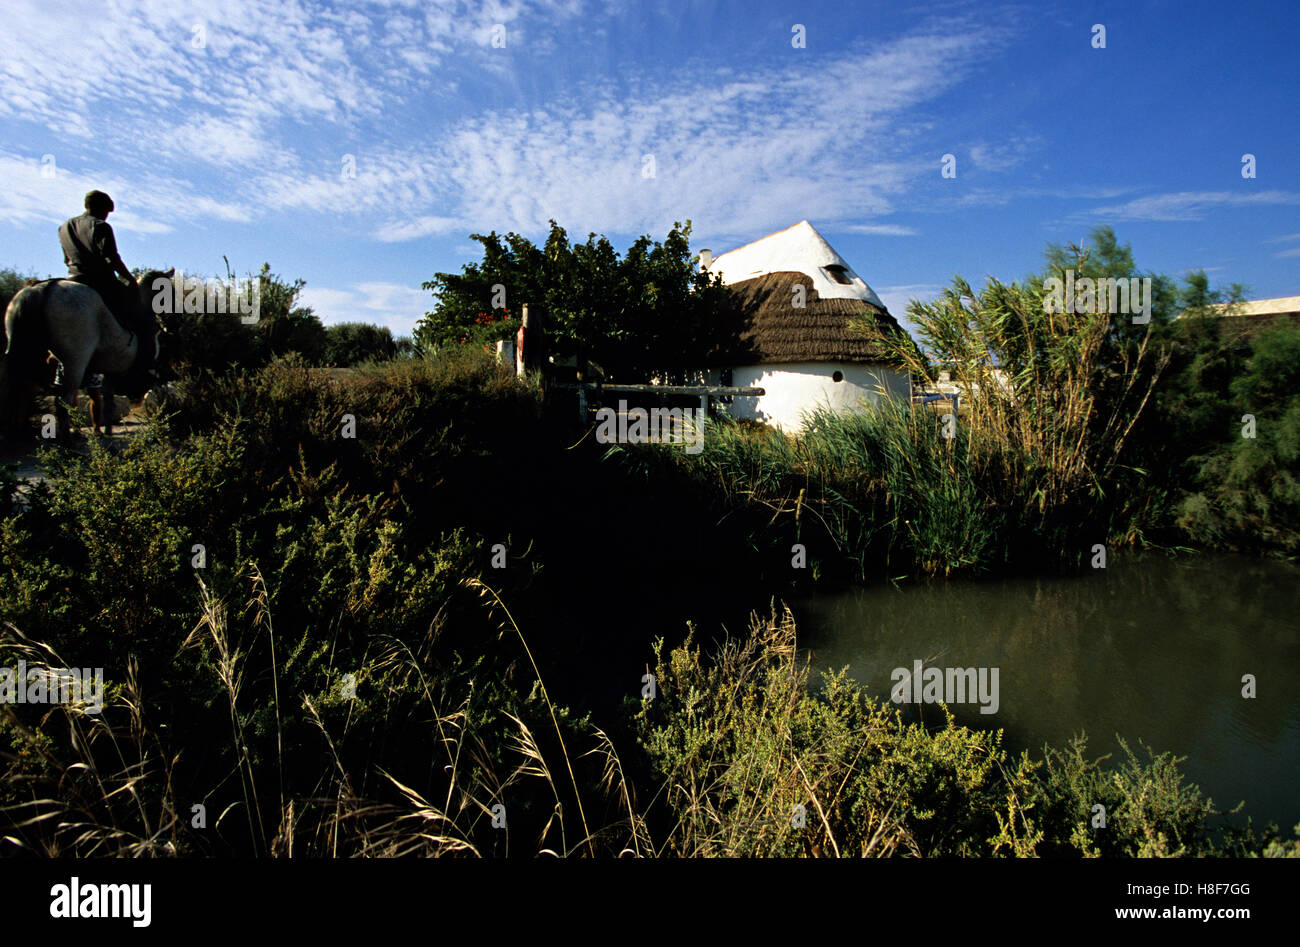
[774, 330]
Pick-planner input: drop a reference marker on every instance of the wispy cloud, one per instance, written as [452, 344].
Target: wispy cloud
[618, 164]
[1003, 156]
[157, 205]
[426, 226]
[276, 94]
[1189, 205]
[263, 58]
[885, 230]
[897, 298]
[393, 305]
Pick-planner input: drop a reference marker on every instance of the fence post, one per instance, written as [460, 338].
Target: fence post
[522, 343]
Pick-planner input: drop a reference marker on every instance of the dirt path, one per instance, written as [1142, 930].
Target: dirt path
[23, 453]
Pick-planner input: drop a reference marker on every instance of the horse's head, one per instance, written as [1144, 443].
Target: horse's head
[152, 285]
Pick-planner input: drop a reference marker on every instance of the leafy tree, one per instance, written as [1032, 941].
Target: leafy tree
[10, 282]
[1243, 484]
[285, 326]
[650, 312]
[221, 341]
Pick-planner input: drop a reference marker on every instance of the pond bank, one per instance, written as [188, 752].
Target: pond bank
[1151, 648]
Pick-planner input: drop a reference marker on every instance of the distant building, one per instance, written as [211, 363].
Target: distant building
[798, 297]
[1248, 318]
[945, 391]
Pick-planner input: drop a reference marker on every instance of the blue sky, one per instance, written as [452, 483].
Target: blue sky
[223, 128]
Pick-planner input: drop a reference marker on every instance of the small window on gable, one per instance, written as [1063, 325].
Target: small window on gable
[840, 274]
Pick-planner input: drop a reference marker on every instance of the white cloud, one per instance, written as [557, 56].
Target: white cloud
[896, 298]
[283, 91]
[419, 227]
[145, 205]
[886, 230]
[31, 197]
[394, 305]
[1190, 205]
[744, 155]
[230, 141]
[1003, 156]
[81, 62]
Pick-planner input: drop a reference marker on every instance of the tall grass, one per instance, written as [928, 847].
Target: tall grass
[1058, 393]
[879, 490]
[116, 787]
[1037, 472]
[942, 497]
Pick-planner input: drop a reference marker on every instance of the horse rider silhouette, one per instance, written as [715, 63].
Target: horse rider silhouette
[90, 251]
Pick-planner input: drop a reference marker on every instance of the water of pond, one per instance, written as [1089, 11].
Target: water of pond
[1149, 648]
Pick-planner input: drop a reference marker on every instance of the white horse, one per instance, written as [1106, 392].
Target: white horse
[72, 321]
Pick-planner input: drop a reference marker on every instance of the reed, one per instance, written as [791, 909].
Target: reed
[1057, 394]
[1037, 471]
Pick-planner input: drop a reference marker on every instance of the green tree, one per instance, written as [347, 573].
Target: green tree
[285, 326]
[650, 312]
[1243, 481]
[218, 341]
[10, 282]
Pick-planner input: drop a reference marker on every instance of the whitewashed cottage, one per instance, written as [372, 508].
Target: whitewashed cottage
[798, 297]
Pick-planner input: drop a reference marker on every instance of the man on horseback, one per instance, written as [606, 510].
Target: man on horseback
[90, 251]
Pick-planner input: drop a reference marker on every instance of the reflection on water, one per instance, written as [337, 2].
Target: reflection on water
[1149, 648]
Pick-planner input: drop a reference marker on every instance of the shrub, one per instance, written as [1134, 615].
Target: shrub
[742, 739]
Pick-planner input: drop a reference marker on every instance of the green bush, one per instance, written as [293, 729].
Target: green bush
[741, 740]
[1244, 489]
[351, 343]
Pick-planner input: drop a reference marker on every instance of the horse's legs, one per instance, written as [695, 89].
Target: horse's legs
[106, 407]
[74, 368]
